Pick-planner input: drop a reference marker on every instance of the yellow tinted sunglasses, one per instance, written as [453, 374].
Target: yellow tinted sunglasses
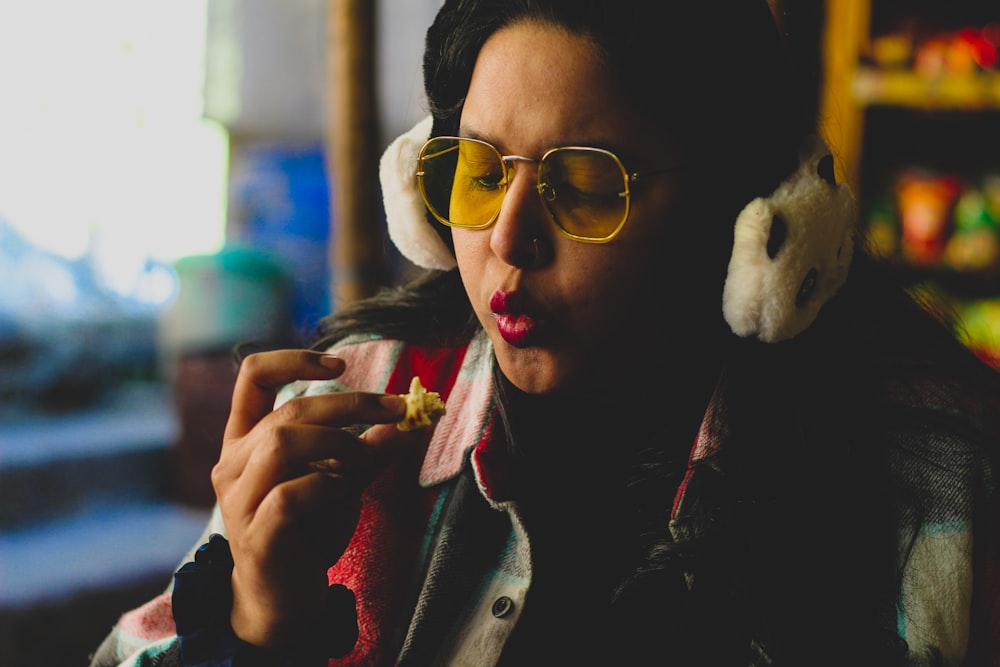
[586, 191]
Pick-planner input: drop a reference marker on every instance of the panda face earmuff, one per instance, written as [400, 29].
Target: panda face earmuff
[406, 216]
[791, 249]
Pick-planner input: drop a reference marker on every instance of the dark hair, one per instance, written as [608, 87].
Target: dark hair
[800, 560]
[717, 70]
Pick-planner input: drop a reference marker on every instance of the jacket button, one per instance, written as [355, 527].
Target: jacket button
[502, 606]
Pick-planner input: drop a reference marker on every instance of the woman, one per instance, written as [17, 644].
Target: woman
[642, 461]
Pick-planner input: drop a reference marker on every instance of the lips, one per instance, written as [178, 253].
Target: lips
[515, 325]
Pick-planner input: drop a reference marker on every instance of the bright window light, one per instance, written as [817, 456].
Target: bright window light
[103, 147]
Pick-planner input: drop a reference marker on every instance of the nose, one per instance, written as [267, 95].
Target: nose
[520, 236]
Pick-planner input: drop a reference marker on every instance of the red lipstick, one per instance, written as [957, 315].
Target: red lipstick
[515, 326]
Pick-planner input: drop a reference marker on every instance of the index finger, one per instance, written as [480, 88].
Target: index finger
[260, 377]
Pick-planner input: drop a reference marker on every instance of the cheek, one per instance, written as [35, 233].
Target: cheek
[472, 254]
[622, 287]
[467, 250]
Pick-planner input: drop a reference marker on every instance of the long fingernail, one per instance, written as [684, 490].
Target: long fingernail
[331, 361]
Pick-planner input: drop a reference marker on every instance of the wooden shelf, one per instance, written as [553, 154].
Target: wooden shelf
[869, 115]
[874, 87]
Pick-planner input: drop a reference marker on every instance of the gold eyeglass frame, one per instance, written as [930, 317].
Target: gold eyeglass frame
[508, 162]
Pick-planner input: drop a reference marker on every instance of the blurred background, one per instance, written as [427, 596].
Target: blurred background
[166, 192]
[180, 177]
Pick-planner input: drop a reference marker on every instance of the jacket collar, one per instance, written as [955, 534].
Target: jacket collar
[466, 424]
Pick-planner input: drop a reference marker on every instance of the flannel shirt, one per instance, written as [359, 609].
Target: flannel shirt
[435, 585]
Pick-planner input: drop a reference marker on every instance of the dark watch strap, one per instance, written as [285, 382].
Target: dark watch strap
[203, 599]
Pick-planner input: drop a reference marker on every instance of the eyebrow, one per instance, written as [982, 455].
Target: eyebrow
[623, 154]
[466, 133]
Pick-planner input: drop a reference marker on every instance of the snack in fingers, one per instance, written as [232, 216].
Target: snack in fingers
[423, 408]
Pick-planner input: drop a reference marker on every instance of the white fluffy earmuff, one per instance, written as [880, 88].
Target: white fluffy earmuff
[791, 251]
[406, 216]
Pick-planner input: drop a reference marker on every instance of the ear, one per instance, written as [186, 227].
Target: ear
[406, 216]
[791, 251]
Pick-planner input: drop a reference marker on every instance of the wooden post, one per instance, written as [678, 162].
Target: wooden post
[841, 117]
[358, 259]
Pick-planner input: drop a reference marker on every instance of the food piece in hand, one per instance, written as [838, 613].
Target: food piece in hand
[423, 408]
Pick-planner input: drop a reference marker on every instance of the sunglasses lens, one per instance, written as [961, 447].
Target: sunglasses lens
[462, 182]
[584, 191]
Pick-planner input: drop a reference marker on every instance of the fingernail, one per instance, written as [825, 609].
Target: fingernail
[331, 361]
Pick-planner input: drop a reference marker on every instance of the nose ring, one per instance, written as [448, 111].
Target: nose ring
[536, 252]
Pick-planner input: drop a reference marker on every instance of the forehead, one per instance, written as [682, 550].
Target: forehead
[536, 85]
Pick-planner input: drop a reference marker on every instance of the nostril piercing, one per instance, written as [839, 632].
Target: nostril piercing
[536, 250]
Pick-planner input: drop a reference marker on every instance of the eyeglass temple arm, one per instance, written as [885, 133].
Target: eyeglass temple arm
[635, 176]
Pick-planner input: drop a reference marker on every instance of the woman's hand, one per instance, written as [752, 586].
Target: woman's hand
[287, 523]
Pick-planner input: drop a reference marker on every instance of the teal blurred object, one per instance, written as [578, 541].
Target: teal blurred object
[238, 295]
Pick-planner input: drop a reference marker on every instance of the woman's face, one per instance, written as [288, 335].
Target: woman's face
[563, 314]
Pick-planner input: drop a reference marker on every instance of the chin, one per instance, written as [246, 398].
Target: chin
[533, 370]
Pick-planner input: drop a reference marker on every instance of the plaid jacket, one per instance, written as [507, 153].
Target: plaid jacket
[426, 552]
